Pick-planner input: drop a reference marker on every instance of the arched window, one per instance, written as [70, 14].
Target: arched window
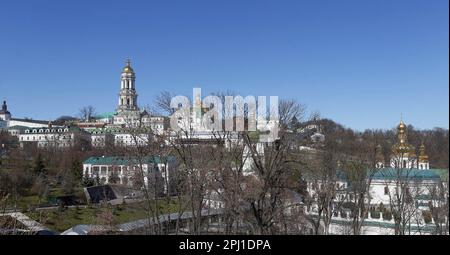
[128, 101]
[386, 190]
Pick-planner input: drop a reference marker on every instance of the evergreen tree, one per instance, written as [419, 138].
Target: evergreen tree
[88, 182]
[113, 178]
[39, 167]
[77, 170]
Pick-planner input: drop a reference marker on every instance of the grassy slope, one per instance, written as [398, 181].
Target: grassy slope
[61, 220]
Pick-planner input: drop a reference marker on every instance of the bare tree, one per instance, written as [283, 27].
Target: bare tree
[404, 188]
[162, 103]
[439, 206]
[87, 113]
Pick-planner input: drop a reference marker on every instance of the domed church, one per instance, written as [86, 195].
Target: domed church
[403, 154]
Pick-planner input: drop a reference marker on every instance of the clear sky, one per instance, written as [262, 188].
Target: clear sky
[361, 63]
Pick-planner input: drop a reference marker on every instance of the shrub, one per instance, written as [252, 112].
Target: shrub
[387, 215]
[375, 214]
[427, 217]
[381, 207]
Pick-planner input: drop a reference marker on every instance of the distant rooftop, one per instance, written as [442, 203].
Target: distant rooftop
[126, 160]
[394, 173]
[105, 115]
[31, 120]
[416, 174]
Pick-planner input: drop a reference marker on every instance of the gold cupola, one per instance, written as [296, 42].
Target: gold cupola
[423, 157]
[402, 146]
[127, 68]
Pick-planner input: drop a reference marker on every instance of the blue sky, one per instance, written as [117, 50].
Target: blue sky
[361, 63]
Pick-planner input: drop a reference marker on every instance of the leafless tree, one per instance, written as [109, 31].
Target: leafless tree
[439, 206]
[404, 189]
[323, 188]
[87, 113]
[162, 103]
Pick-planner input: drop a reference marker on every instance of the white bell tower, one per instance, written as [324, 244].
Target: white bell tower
[127, 95]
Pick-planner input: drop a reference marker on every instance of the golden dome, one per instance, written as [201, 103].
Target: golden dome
[423, 157]
[127, 68]
[401, 127]
[402, 146]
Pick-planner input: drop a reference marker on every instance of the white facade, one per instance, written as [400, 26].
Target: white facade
[382, 191]
[127, 139]
[51, 136]
[99, 140]
[127, 172]
[403, 161]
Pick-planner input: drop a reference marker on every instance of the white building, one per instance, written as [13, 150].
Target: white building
[101, 138]
[409, 177]
[6, 120]
[127, 171]
[131, 139]
[51, 136]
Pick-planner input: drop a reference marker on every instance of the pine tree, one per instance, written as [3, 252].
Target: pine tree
[39, 167]
[77, 170]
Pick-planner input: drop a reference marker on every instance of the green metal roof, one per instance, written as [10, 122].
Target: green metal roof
[105, 115]
[393, 174]
[415, 174]
[443, 173]
[126, 160]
